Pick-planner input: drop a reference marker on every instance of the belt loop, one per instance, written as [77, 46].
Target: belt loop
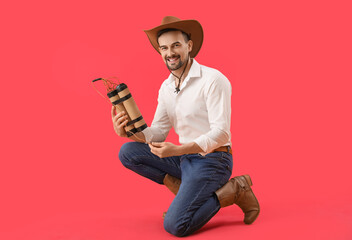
[228, 149]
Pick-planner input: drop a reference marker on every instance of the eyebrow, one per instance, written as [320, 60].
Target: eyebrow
[171, 44]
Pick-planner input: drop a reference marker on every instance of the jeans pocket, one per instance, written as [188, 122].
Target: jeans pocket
[226, 159]
[222, 159]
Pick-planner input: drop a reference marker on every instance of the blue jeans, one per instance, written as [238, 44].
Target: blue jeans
[196, 202]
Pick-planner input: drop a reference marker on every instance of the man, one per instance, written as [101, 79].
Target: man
[196, 101]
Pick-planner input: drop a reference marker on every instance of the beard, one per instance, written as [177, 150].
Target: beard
[178, 66]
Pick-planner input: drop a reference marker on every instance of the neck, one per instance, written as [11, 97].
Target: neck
[178, 73]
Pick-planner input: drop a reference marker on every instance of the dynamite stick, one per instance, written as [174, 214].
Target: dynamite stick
[121, 97]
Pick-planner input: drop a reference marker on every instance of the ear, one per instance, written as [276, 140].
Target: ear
[190, 45]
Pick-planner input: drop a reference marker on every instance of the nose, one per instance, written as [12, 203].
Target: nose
[170, 52]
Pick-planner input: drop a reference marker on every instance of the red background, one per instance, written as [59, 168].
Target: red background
[289, 63]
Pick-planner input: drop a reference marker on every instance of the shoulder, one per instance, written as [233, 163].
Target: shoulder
[214, 78]
[210, 71]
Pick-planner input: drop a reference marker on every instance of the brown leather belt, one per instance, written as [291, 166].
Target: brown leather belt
[224, 149]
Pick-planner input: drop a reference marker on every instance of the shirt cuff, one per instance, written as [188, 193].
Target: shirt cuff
[153, 134]
[205, 143]
[147, 134]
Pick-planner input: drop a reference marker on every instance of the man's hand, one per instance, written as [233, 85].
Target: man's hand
[165, 149]
[119, 122]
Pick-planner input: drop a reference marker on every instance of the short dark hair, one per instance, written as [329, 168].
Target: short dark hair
[162, 31]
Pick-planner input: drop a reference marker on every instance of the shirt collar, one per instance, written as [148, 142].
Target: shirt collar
[194, 71]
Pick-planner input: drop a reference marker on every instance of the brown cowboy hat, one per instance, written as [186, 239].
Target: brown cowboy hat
[191, 27]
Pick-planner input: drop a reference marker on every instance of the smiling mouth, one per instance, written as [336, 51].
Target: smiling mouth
[172, 59]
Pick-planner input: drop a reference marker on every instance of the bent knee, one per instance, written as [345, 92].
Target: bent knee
[126, 153]
[175, 228]
[125, 149]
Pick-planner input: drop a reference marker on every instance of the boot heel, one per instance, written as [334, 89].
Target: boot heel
[248, 179]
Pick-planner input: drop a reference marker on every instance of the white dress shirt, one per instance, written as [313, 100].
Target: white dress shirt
[200, 112]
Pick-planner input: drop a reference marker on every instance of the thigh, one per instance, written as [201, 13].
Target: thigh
[136, 155]
[209, 172]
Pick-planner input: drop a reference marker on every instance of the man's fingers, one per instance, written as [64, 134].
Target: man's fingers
[152, 148]
[157, 144]
[158, 151]
[118, 116]
[113, 111]
[124, 123]
[121, 120]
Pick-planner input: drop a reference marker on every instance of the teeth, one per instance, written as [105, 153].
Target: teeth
[172, 59]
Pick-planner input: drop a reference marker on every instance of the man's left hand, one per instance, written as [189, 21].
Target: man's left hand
[165, 149]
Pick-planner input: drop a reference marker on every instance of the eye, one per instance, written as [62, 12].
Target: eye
[162, 48]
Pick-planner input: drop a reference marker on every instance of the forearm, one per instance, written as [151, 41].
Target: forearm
[154, 134]
[189, 148]
[138, 137]
[167, 149]
[213, 139]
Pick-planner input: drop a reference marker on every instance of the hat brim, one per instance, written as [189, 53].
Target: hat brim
[191, 27]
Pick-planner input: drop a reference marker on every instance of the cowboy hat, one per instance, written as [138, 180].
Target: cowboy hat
[191, 27]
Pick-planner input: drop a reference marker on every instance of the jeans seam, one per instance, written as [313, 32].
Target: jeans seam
[196, 197]
[147, 167]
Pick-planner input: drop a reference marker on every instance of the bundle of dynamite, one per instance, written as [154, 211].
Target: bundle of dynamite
[120, 96]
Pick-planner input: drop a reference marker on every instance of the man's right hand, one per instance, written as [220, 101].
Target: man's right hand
[119, 122]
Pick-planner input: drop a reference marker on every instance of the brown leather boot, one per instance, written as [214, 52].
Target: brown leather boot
[172, 183]
[238, 190]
